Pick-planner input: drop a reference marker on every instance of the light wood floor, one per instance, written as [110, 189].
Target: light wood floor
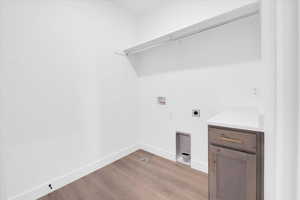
[133, 178]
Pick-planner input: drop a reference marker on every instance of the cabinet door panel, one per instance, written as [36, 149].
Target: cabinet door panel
[232, 174]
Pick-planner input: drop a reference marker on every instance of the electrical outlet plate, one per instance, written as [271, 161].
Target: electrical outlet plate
[196, 113]
[162, 100]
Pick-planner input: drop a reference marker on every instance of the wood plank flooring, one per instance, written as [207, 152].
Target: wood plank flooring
[139, 176]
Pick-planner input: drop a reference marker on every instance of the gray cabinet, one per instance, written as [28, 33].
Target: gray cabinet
[235, 164]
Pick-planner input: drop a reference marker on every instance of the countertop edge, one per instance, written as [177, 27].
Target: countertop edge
[235, 126]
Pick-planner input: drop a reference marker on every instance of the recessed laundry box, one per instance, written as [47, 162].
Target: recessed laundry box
[183, 148]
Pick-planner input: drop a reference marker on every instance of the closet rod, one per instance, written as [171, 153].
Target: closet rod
[173, 39]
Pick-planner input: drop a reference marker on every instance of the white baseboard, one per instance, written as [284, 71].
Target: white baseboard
[58, 182]
[200, 166]
[158, 152]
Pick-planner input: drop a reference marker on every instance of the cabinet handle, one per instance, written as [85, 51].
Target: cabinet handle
[226, 139]
[215, 166]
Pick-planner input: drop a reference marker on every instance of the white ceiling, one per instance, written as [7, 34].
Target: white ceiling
[140, 6]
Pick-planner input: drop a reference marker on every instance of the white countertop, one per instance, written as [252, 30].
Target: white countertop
[246, 119]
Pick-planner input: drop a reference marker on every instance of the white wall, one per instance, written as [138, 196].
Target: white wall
[279, 53]
[212, 90]
[287, 99]
[66, 99]
[298, 180]
[298, 89]
[268, 44]
[213, 71]
[2, 178]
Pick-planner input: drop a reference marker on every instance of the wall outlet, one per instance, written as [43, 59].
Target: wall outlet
[196, 113]
[162, 100]
[254, 91]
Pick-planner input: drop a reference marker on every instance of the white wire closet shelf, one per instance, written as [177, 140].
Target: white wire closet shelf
[208, 24]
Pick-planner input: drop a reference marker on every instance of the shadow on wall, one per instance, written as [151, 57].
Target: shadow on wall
[233, 43]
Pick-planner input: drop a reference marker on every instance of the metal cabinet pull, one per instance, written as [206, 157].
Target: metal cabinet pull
[226, 139]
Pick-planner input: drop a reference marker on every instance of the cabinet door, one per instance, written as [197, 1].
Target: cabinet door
[232, 174]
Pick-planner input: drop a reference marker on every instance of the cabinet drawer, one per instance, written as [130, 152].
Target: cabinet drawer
[233, 139]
